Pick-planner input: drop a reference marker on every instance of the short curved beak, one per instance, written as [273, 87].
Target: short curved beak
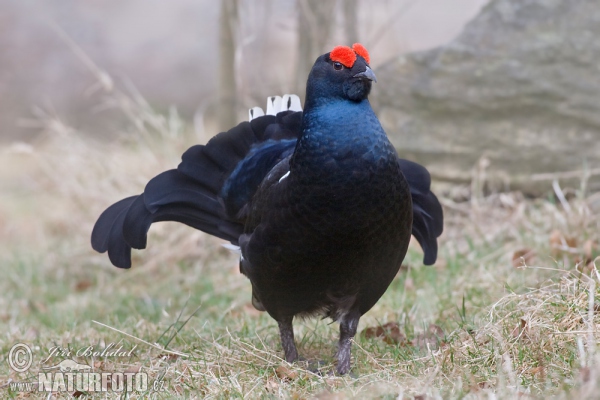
[367, 74]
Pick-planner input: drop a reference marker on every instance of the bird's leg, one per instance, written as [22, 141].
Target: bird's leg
[348, 326]
[286, 332]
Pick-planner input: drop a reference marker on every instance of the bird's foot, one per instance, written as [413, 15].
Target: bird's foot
[343, 366]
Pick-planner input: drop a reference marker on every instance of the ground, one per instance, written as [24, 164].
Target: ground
[509, 309]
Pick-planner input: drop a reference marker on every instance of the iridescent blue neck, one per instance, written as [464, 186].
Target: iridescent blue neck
[340, 132]
[341, 117]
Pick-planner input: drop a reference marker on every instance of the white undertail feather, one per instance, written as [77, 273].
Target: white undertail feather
[275, 105]
[291, 102]
[255, 112]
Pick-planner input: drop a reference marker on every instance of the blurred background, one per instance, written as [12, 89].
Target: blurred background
[504, 90]
[191, 54]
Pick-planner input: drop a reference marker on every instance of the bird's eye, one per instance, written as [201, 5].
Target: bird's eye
[338, 66]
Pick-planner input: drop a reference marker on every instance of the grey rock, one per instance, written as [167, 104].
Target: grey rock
[518, 88]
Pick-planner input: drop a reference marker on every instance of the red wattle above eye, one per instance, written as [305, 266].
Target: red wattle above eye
[361, 51]
[344, 55]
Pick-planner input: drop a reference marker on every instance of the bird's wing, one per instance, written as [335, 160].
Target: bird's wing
[245, 180]
[207, 191]
[428, 217]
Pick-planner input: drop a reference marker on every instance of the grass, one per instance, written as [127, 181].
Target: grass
[515, 290]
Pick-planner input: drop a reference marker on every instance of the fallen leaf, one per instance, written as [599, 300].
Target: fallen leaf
[523, 257]
[389, 333]
[585, 267]
[555, 242]
[590, 266]
[168, 357]
[558, 242]
[134, 369]
[484, 385]
[436, 330]
[83, 285]
[536, 370]
[285, 373]
[521, 330]
[178, 389]
[184, 368]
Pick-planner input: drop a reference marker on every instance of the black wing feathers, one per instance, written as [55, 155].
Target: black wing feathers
[174, 187]
[251, 171]
[105, 222]
[193, 193]
[136, 223]
[428, 217]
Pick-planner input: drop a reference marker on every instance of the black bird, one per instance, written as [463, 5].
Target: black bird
[318, 201]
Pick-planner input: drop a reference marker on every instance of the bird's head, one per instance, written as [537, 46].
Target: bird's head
[343, 73]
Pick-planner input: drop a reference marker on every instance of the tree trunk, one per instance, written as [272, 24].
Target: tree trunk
[227, 46]
[315, 19]
[350, 9]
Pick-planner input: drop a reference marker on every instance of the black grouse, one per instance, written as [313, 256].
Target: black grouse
[318, 201]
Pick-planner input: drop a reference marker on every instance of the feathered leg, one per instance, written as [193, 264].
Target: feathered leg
[348, 326]
[286, 332]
